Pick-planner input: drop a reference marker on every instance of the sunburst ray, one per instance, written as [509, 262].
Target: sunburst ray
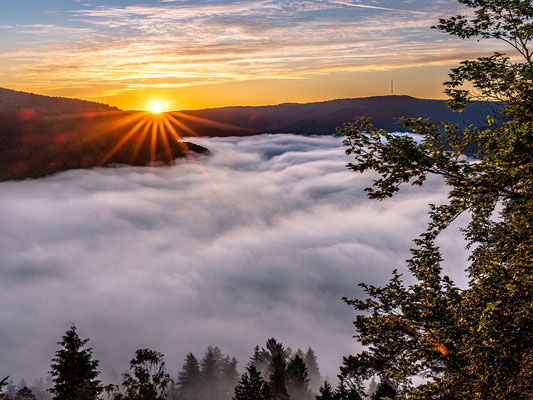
[123, 141]
[206, 121]
[140, 140]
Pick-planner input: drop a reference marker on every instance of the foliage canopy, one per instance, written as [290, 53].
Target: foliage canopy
[476, 342]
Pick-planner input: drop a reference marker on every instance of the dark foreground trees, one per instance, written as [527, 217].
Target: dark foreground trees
[251, 385]
[475, 343]
[283, 375]
[73, 369]
[147, 379]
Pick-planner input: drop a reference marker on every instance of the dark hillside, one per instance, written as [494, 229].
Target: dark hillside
[34, 105]
[324, 117]
[40, 135]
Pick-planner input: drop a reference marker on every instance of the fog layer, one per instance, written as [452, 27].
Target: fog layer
[262, 239]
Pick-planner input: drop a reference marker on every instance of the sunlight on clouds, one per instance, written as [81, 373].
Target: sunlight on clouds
[182, 44]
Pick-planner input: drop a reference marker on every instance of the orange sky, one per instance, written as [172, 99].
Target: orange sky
[193, 54]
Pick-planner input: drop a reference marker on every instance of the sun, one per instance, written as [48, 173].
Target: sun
[157, 107]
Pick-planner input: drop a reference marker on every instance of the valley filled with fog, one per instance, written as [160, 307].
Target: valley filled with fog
[259, 240]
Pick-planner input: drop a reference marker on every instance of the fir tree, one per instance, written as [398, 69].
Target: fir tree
[385, 390]
[297, 379]
[278, 367]
[327, 392]
[229, 377]
[313, 370]
[350, 388]
[24, 393]
[111, 391]
[3, 383]
[260, 359]
[189, 378]
[73, 369]
[267, 394]
[211, 373]
[250, 386]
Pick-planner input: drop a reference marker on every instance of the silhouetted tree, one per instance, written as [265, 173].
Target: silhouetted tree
[149, 380]
[10, 389]
[260, 359]
[278, 367]
[250, 387]
[267, 394]
[312, 369]
[4, 383]
[189, 377]
[385, 390]
[24, 393]
[297, 380]
[327, 392]
[73, 369]
[111, 391]
[211, 374]
[230, 376]
[474, 342]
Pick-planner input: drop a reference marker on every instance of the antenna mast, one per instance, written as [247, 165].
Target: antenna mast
[392, 87]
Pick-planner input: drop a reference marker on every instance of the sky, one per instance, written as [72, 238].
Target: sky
[259, 240]
[191, 54]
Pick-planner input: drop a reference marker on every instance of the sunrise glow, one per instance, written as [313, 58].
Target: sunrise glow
[249, 61]
[156, 108]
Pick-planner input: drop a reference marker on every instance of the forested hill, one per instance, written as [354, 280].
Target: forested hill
[45, 105]
[325, 117]
[40, 135]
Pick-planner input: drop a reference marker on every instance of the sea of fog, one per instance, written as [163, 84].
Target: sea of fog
[260, 240]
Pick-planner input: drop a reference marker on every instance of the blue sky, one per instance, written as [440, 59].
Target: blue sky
[207, 53]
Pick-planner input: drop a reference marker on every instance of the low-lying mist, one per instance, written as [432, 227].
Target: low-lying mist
[260, 240]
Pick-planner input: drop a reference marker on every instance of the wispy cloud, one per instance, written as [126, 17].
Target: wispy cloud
[191, 43]
[346, 3]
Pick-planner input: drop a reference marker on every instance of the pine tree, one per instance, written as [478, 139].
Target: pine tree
[297, 379]
[24, 393]
[312, 368]
[278, 367]
[189, 378]
[327, 392]
[277, 357]
[350, 388]
[265, 390]
[385, 390]
[229, 377]
[3, 383]
[211, 373]
[73, 369]
[260, 359]
[250, 386]
[10, 390]
[111, 391]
